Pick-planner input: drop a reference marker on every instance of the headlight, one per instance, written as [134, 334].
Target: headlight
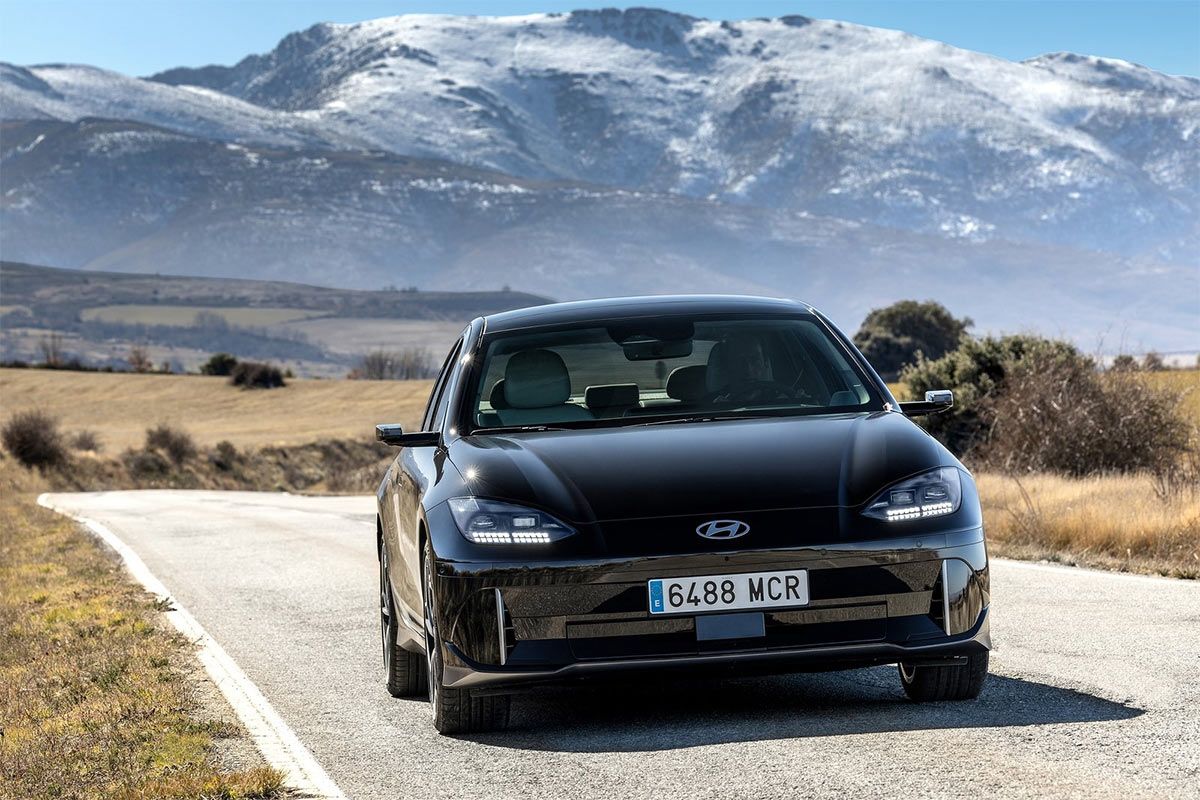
[493, 522]
[931, 494]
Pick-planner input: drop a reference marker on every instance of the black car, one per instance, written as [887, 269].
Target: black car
[691, 483]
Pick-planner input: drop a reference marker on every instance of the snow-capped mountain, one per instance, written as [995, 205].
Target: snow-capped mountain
[585, 153]
[825, 116]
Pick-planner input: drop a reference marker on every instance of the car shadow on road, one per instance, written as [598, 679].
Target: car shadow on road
[662, 715]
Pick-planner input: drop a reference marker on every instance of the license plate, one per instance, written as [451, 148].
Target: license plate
[726, 592]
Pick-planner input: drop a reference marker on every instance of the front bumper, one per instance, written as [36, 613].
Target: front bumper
[906, 599]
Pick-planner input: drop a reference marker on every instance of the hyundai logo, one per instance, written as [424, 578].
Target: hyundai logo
[723, 529]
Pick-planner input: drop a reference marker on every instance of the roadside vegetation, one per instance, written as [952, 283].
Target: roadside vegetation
[118, 407]
[97, 696]
[1076, 463]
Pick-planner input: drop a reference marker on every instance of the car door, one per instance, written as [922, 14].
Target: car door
[416, 469]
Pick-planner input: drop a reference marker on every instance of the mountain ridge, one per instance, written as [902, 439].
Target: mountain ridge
[592, 152]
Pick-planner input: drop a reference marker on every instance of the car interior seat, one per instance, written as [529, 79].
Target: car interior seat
[537, 389]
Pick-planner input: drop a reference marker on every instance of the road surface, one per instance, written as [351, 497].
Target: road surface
[1095, 690]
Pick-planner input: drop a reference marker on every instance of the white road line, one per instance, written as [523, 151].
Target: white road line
[278, 743]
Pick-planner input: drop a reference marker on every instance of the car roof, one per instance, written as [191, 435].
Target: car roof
[608, 309]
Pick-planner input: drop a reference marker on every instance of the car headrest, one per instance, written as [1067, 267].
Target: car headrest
[611, 395]
[715, 375]
[536, 379]
[687, 383]
[497, 398]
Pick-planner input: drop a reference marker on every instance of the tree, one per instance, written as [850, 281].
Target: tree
[139, 359]
[1153, 362]
[52, 349]
[891, 337]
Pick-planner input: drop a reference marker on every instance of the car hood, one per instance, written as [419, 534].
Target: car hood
[703, 468]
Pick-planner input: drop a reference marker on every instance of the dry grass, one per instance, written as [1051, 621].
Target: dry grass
[94, 695]
[1113, 522]
[1183, 381]
[184, 315]
[119, 407]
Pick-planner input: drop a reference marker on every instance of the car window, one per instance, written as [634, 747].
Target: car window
[617, 372]
[435, 411]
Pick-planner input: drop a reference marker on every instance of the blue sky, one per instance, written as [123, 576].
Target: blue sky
[140, 37]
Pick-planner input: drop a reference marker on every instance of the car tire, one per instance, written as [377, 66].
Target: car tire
[454, 710]
[405, 671]
[926, 683]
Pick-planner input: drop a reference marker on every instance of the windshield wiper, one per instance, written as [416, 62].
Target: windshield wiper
[519, 429]
[704, 418]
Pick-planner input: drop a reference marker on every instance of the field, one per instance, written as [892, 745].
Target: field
[1118, 522]
[119, 407]
[1114, 522]
[185, 315]
[1185, 381]
[97, 697]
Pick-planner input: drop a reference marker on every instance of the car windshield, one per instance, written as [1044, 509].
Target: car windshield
[664, 369]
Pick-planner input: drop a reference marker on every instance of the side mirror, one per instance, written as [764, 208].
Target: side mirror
[395, 436]
[935, 402]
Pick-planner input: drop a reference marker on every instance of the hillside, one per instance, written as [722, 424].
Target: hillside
[100, 316]
[609, 152]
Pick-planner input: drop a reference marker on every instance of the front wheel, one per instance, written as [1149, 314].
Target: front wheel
[454, 710]
[405, 671]
[928, 683]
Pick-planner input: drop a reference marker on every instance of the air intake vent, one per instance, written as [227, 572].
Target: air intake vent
[504, 629]
[937, 605]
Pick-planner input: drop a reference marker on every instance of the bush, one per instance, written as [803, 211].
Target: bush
[1124, 363]
[32, 437]
[218, 363]
[225, 456]
[145, 464]
[384, 365]
[253, 375]
[1061, 415]
[892, 337]
[976, 372]
[176, 444]
[86, 440]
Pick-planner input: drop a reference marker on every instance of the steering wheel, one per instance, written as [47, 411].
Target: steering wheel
[757, 392]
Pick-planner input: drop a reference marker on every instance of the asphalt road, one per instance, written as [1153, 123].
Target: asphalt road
[1095, 686]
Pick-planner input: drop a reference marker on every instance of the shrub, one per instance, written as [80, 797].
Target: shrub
[1060, 415]
[253, 375]
[218, 363]
[384, 365]
[143, 464]
[225, 456]
[1124, 363]
[976, 371]
[1153, 362]
[86, 440]
[891, 337]
[33, 438]
[176, 444]
[256, 375]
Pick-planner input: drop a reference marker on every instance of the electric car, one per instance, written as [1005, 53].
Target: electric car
[707, 484]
